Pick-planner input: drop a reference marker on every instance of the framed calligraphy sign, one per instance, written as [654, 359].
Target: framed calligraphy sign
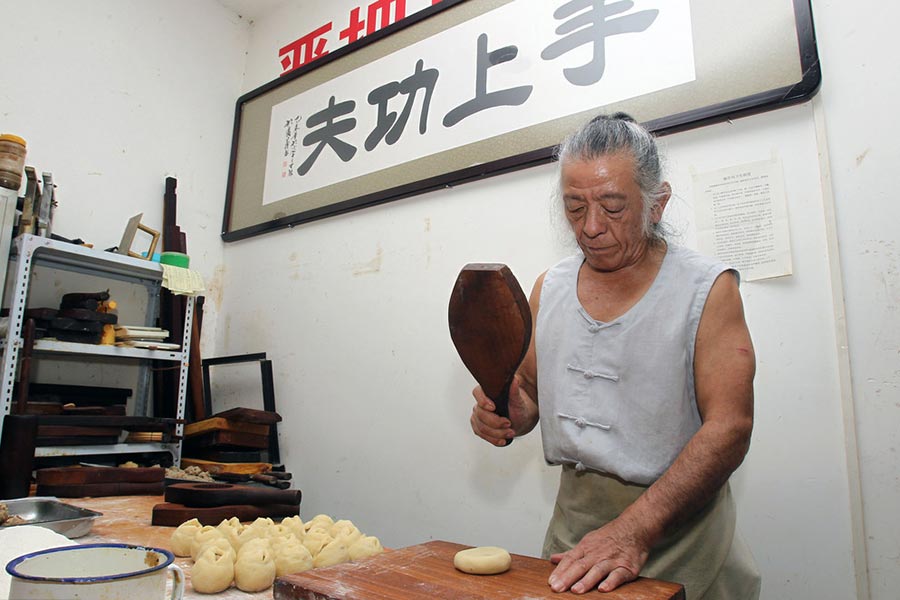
[466, 89]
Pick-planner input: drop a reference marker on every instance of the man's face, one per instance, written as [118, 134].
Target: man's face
[604, 207]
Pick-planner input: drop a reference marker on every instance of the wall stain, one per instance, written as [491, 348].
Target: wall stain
[373, 266]
[293, 267]
[215, 287]
[862, 157]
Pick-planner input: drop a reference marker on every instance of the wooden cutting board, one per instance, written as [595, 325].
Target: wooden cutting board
[93, 490]
[79, 475]
[170, 514]
[426, 571]
[222, 494]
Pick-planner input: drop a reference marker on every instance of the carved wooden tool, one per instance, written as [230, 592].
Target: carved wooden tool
[490, 324]
[220, 494]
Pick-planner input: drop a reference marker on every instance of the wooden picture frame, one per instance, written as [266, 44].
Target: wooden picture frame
[745, 58]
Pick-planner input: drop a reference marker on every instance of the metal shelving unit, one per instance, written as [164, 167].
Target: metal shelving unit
[34, 250]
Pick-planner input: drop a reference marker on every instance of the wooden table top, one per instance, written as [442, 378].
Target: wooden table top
[126, 519]
[425, 572]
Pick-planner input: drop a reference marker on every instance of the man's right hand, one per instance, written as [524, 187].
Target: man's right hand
[497, 430]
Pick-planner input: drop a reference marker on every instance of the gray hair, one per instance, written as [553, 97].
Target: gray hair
[617, 133]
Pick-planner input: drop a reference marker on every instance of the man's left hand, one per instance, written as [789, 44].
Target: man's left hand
[604, 559]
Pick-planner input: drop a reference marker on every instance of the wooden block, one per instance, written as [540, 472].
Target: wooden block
[426, 571]
[75, 431]
[217, 439]
[223, 424]
[250, 415]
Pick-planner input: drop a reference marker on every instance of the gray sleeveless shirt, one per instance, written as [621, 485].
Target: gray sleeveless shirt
[618, 397]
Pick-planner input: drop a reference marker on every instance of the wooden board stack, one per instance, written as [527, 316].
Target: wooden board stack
[136, 336]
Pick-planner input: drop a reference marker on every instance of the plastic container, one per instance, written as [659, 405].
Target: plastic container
[12, 161]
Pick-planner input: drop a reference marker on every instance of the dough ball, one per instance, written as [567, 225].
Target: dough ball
[183, 536]
[365, 547]
[230, 529]
[484, 560]
[335, 553]
[315, 540]
[205, 534]
[278, 531]
[254, 570]
[220, 543]
[262, 524]
[213, 571]
[255, 546]
[295, 524]
[345, 529]
[292, 557]
[323, 521]
[245, 535]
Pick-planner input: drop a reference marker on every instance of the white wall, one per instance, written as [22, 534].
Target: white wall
[859, 96]
[365, 367]
[112, 96]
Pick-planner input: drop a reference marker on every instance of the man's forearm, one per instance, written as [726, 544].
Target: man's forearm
[699, 471]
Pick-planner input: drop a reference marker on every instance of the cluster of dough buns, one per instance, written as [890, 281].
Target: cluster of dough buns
[253, 555]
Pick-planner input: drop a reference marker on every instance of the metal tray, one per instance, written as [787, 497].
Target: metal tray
[71, 521]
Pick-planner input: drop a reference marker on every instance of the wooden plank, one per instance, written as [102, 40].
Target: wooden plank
[426, 571]
[223, 424]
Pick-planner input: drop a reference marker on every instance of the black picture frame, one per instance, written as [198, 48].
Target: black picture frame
[245, 215]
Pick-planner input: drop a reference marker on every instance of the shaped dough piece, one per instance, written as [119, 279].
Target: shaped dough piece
[279, 531]
[254, 570]
[292, 557]
[315, 540]
[245, 535]
[183, 536]
[230, 530]
[207, 533]
[484, 560]
[295, 524]
[365, 547]
[323, 521]
[335, 553]
[222, 544]
[263, 524]
[213, 571]
[345, 529]
[255, 546]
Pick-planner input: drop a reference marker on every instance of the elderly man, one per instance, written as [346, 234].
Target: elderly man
[641, 374]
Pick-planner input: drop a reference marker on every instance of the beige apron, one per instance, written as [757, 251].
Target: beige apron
[705, 554]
